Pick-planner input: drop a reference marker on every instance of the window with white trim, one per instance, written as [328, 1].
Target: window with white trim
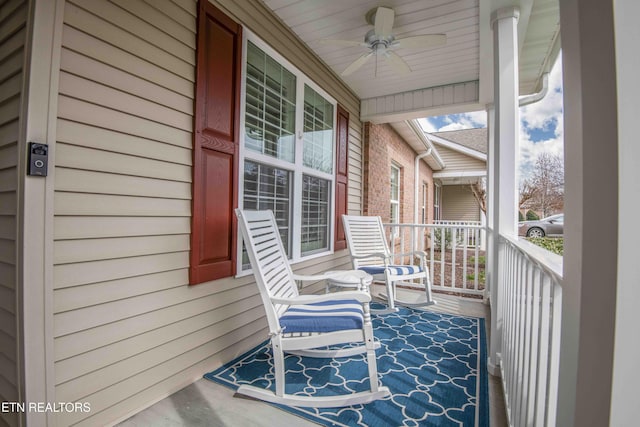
[394, 217]
[288, 151]
[437, 195]
[424, 202]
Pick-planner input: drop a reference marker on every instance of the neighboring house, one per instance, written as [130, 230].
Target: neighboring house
[464, 153]
[121, 274]
[448, 162]
[392, 189]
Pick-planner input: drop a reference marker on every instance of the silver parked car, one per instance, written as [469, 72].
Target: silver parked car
[550, 226]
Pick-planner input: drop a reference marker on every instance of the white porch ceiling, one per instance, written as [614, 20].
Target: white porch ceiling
[457, 61]
[465, 60]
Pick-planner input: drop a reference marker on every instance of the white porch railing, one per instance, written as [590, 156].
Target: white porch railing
[530, 302]
[456, 222]
[455, 258]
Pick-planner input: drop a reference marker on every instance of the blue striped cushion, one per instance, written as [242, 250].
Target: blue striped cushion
[396, 270]
[325, 316]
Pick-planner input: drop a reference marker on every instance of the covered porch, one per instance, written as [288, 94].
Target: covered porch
[96, 258]
[207, 403]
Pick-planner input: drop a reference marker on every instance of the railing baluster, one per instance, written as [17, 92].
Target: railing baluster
[443, 252]
[431, 254]
[554, 354]
[453, 258]
[477, 263]
[528, 301]
[543, 351]
[536, 306]
[464, 258]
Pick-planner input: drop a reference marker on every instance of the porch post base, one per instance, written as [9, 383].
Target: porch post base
[493, 367]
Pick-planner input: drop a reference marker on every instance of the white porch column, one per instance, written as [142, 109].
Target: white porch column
[504, 126]
[590, 280]
[624, 396]
[495, 343]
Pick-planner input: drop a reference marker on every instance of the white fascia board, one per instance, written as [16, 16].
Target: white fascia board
[417, 129]
[457, 147]
[460, 174]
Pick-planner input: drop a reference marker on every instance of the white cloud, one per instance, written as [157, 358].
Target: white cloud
[544, 115]
[453, 126]
[529, 151]
[427, 126]
[474, 119]
[478, 118]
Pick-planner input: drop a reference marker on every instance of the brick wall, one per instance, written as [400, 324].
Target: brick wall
[383, 147]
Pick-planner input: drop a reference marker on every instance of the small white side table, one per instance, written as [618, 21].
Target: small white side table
[354, 279]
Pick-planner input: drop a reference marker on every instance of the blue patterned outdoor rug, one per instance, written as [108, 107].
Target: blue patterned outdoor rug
[434, 364]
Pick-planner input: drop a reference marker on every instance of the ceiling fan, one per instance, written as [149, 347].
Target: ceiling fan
[380, 41]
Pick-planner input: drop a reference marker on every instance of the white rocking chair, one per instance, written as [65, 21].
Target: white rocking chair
[370, 253]
[301, 324]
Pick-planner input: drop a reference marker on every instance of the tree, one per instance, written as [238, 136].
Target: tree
[532, 216]
[544, 190]
[479, 190]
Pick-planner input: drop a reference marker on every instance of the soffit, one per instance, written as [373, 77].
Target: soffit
[465, 22]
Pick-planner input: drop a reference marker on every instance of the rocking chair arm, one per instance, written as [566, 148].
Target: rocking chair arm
[310, 299]
[423, 258]
[372, 255]
[419, 254]
[323, 276]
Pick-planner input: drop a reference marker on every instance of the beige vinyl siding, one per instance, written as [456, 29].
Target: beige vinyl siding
[456, 161]
[128, 330]
[458, 204]
[13, 18]
[354, 198]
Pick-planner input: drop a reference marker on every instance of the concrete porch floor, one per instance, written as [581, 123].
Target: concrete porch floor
[205, 403]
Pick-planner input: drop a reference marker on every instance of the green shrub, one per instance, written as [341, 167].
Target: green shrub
[553, 244]
[481, 277]
[482, 260]
[520, 217]
[532, 216]
[439, 241]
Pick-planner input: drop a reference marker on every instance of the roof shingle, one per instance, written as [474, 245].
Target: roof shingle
[475, 139]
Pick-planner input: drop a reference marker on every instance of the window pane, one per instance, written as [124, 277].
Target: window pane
[315, 214]
[318, 131]
[270, 106]
[395, 184]
[266, 187]
[395, 195]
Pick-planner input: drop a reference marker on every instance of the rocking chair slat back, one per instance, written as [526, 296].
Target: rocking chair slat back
[365, 235]
[269, 261]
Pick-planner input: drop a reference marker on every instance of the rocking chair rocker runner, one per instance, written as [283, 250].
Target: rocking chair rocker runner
[301, 324]
[370, 253]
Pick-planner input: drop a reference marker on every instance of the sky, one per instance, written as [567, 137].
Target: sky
[541, 124]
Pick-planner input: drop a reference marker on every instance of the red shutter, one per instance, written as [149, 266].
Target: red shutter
[215, 146]
[342, 176]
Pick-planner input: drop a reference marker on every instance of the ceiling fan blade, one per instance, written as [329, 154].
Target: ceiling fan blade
[346, 43]
[384, 22]
[397, 63]
[427, 40]
[357, 64]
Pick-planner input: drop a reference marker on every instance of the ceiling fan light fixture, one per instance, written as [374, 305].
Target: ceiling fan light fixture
[381, 41]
